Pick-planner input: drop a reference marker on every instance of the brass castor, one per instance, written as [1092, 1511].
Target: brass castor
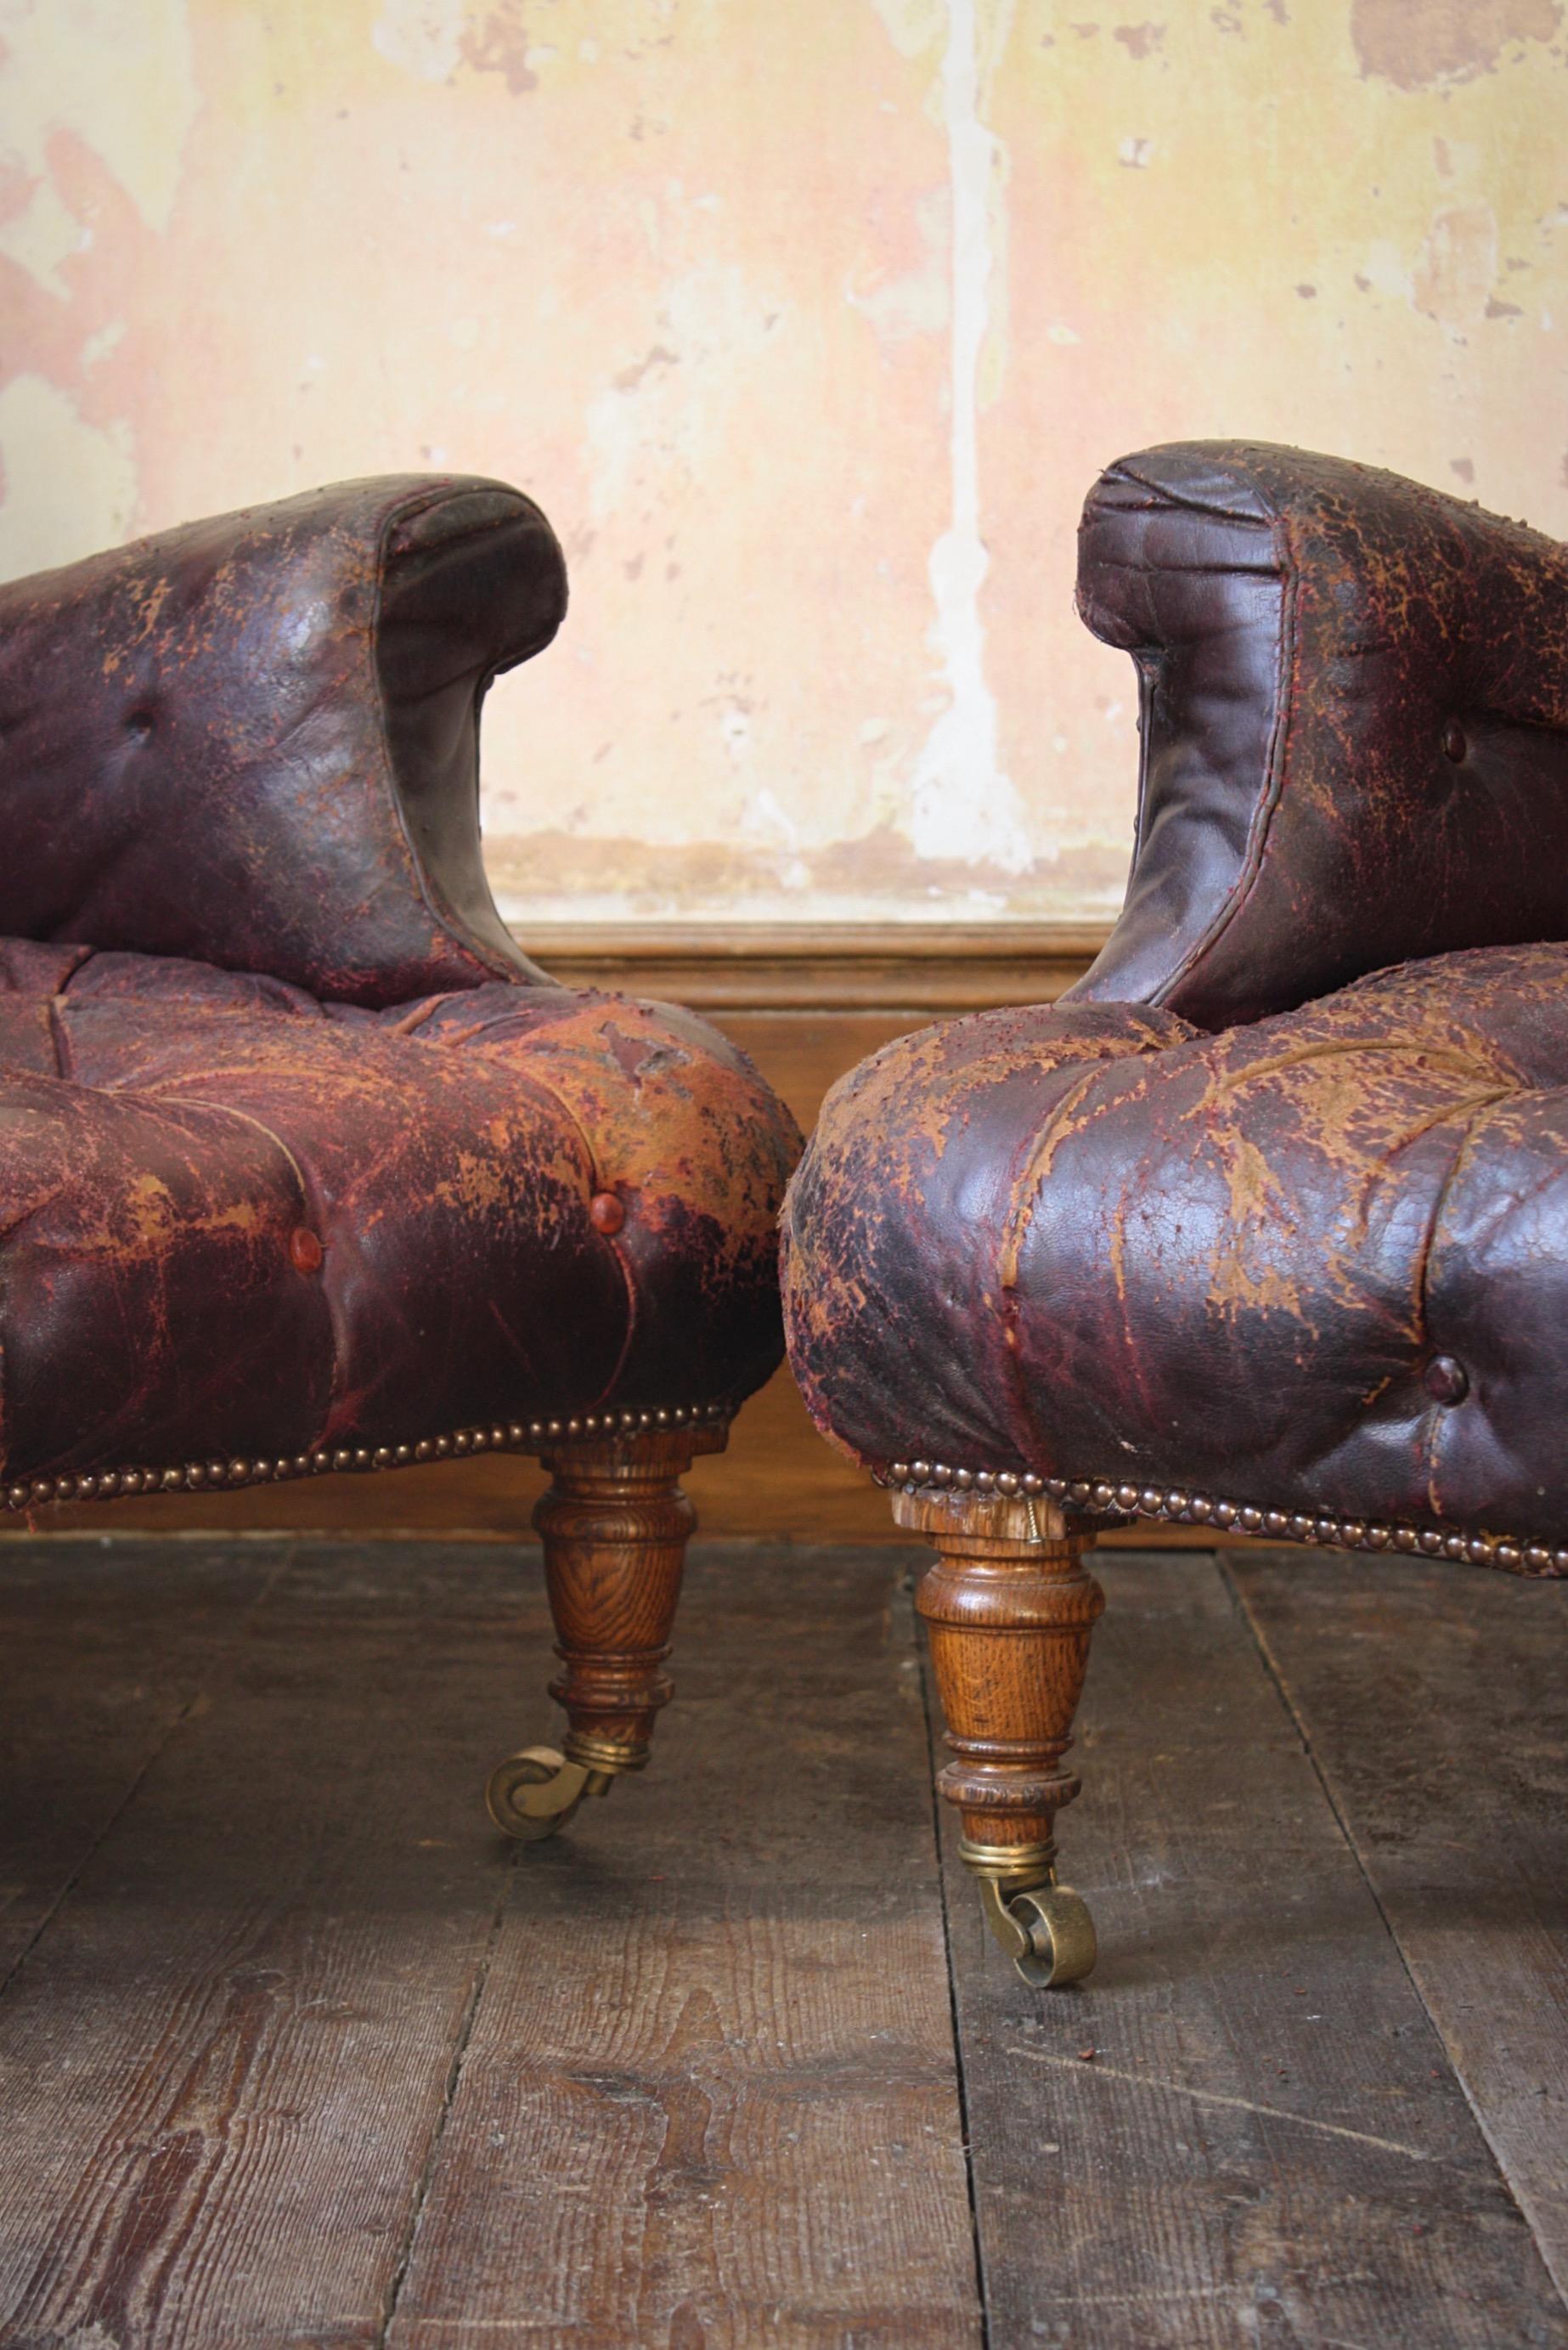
[1046, 1929]
[533, 1794]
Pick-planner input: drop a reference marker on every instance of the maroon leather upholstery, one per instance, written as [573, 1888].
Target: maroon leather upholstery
[1355, 716]
[251, 1227]
[176, 1141]
[1309, 1274]
[254, 740]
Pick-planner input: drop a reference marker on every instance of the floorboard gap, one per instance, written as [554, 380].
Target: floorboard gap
[1486, 2120]
[460, 2044]
[934, 1734]
[1303, 1729]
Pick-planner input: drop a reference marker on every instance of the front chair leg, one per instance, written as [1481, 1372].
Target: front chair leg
[1009, 1609]
[615, 1524]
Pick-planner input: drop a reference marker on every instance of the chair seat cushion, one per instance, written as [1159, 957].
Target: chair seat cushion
[236, 1220]
[1318, 1264]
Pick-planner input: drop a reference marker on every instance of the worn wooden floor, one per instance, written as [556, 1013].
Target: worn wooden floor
[293, 2052]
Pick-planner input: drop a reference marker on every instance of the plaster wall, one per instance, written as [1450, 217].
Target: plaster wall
[808, 322]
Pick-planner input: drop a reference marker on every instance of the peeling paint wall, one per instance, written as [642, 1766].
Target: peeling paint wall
[809, 326]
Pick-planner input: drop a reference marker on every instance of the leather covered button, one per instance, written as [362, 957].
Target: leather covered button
[305, 1250]
[1454, 743]
[606, 1213]
[1448, 1381]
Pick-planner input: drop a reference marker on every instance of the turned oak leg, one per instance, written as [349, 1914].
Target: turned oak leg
[1010, 1608]
[615, 1524]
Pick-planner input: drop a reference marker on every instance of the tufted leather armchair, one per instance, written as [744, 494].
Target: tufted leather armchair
[303, 1167]
[1264, 1225]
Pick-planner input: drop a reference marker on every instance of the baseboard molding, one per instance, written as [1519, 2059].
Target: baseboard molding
[924, 967]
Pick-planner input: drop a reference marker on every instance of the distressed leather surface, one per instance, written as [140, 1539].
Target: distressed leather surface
[1215, 1220]
[254, 741]
[1354, 714]
[1090, 1240]
[167, 1131]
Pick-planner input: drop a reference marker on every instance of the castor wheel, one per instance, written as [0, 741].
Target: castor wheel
[1046, 1929]
[531, 1794]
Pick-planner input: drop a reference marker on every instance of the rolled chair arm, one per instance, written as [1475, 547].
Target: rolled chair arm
[254, 740]
[1355, 720]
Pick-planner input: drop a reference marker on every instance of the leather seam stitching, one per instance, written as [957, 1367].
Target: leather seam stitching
[1162, 495]
[1286, 683]
[446, 920]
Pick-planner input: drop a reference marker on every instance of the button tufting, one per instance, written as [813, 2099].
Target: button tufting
[1447, 1380]
[1454, 743]
[305, 1250]
[606, 1213]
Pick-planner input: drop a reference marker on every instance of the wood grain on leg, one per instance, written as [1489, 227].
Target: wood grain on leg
[1009, 1609]
[615, 1524]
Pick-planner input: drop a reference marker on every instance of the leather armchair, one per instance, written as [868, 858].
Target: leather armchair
[304, 1168]
[1264, 1226]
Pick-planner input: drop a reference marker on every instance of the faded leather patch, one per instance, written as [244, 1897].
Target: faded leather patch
[235, 1220]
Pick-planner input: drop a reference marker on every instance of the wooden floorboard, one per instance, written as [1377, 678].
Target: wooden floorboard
[1433, 1701]
[223, 2063]
[698, 2062]
[88, 1702]
[1244, 2130]
[709, 2101]
[294, 2052]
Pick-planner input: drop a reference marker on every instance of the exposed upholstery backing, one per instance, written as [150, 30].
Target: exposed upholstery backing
[254, 741]
[235, 1220]
[1316, 1263]
[1355, 711]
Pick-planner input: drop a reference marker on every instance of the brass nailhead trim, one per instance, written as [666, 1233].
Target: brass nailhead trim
[513, 1436]
[1173, 1504]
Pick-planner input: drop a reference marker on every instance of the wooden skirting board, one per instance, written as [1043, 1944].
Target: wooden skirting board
[806, 1001]
[826, 969]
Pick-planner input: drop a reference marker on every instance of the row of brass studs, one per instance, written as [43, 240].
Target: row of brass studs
[207, 1476]
[1199, 1509]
